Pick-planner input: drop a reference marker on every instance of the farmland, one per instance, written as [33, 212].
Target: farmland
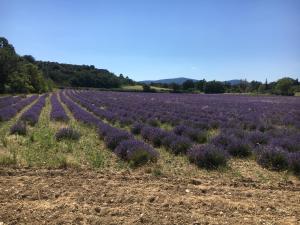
[212, 158]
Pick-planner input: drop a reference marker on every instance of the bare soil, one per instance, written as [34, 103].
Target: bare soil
[80, 196]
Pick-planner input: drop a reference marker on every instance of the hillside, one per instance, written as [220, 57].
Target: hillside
[23, 74]
[181, 80]
[81, 75]
[178, 80]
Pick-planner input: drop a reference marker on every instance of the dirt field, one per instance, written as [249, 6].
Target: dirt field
[79, 196]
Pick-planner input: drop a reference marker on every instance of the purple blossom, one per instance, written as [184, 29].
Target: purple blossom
[19, 128]
[33, 113]
[57, 111]
[153, 135]
[8, 112]
[208, 156]
[67, 133]
[136, 152]
[272, 157]
[113, 139]
[180, 145]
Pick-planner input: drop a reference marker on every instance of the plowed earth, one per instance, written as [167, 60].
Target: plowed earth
[29, 196]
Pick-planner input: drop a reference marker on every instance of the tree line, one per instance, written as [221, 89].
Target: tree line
[18, 74]
[24, 74]
[284, 86]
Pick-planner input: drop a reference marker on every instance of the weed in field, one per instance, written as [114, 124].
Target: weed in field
[7, 160]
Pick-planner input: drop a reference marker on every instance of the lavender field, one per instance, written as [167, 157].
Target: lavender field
[209, 130]
[144, 157]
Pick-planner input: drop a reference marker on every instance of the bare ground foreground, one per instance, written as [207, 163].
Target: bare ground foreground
[143, 196]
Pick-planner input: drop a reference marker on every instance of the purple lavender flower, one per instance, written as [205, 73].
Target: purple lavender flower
[32, 114]
[136, 152]
[272, 157]
[57, 112]
[113, 139]
[67, 133]
[208, 156]
[153, 135]
[19, 128]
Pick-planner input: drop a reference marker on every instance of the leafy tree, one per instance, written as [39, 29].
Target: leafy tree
[8, 62]
[212, 87]
[284, 86]
[200, 84]
[175, 87]
[18, 82]
[188, 84]
[254, 86]
[146, 88]
[243, 86]
[29, 58]
[19, 74]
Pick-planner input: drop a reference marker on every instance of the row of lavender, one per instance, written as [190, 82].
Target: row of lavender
[10, 110]
[122, 143]
[274, 147]
[30, 116]
[57, 111]
[175, 142]
[202, 110]
[9, 100]
[154, 135]
[191, 134]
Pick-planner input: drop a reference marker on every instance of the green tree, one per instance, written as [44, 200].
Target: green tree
[213, 87]
[19, 82]
[200, 85]
[254, 86]
[147, 88]
[175, 87]
[188, 84]
[284, 86]
[8, 62]
[29, 58]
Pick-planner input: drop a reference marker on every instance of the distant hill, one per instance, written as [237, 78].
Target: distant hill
[234, 82]
[178, 80]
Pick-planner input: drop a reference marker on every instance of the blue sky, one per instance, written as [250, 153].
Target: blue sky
[154, 39]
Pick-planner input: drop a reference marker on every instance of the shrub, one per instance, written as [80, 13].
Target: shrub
[180, 145]
[222, 140]
[168, 139]
[104, 129]
[124, 121]
[258, 138]
[136, 152]
[136, 128]
[153, 122]
[289, 143]
[273, 158]
[67, 133]
[19, 128]
[153, 135]
[6, 160]
[239, 148]
[196, 135]
[180, 129]
[294, 162]
[208, 156]
[113, 139]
